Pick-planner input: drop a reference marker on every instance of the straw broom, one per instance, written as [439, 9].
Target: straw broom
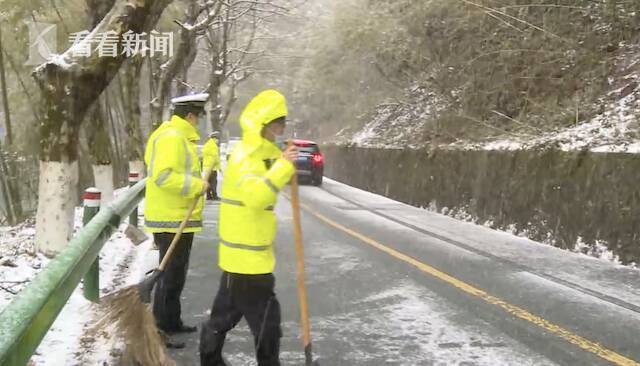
[129, 311]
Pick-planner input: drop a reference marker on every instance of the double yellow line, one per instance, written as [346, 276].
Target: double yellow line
[519, 312]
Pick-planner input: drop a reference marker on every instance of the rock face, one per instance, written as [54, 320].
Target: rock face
[558, 197]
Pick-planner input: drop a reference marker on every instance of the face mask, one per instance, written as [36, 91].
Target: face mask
[280, 141]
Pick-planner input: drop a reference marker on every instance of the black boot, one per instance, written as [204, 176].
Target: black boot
[211, 343]
[174, 344]
[268, 353]
[182, 329]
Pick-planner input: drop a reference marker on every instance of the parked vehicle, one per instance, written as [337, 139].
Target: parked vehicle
[310, 163]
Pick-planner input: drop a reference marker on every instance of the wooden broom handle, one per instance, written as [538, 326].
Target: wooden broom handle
[297, 236]
[183, 224]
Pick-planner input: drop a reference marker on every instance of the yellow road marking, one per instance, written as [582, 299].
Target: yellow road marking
[519, 312]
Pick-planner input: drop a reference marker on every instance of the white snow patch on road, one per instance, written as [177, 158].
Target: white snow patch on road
[408, 325]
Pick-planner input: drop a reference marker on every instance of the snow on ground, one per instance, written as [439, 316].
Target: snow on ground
[68, 341]
[599, 250]
[615, 129]
[19, 261]
[410, 323]
[397, 125]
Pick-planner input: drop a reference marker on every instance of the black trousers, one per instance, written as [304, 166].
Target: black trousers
[166, 301]
[212, 193]
[251, 297]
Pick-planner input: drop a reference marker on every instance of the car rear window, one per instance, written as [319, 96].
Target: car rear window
[309, 149]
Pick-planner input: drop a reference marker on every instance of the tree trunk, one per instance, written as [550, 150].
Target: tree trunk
[101, 151]
[9, 168]
[215, 109]
[5, 95]
[69, 86]
[130, 92]
[217, 50]
[103, 177]
[6, 191]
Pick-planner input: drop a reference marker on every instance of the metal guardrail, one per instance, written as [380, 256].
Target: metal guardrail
[26, 320]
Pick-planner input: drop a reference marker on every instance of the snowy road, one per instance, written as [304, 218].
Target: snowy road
[389, 284]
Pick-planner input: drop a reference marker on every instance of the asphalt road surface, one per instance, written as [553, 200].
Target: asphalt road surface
[390, 284]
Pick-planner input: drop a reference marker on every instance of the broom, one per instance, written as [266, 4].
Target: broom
[128, 309]
[302, 292]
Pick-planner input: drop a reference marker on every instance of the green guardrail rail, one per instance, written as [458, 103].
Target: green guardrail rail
[25, 321]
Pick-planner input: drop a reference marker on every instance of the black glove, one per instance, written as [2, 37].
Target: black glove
[146, 286]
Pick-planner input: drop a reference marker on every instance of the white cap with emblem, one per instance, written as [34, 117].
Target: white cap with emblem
[196, 100]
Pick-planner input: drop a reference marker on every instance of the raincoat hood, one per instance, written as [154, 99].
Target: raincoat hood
[262, 109]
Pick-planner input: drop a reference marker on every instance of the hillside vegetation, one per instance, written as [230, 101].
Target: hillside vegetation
[414, 72]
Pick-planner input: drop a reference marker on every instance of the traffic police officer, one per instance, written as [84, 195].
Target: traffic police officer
[174, 181]
[255, 173]
[211, 162]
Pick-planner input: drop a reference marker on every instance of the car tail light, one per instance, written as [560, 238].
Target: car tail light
[317, 158]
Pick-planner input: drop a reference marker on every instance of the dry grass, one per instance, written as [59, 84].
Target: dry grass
[135, 324]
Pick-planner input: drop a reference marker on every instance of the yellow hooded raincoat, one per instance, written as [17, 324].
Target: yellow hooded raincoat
[253, 177]
[173, 177]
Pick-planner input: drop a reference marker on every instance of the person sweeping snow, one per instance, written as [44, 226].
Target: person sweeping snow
[257, 170]
[174, 200]
[174, 181]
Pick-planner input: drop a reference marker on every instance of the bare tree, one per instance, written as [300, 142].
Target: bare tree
[198, 17]
[70, 84]
[231, 55]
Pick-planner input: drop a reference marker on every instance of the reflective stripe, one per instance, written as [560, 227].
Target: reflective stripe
[187, 170]
[163, 176]
[171, 224]
[245, 177]
[240, 203]
[153, 153]
[271, 186]
[257, 248]
[231, 202]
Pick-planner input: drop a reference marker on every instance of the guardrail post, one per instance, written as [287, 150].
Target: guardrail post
[91, 279]
[134, 177]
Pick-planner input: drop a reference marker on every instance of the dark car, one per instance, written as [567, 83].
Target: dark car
[310, 163]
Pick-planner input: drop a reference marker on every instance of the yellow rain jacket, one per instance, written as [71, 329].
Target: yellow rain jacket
[253, 177]
[173, 177]
[210, 156]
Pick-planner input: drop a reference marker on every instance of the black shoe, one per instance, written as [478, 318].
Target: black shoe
[174, 344]
[182, 329]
